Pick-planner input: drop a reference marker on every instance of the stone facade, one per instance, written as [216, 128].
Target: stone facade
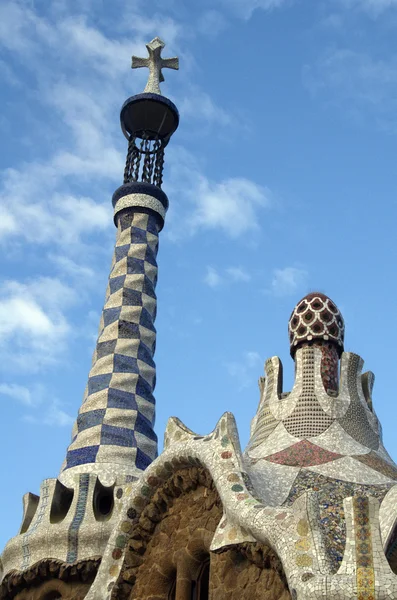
[49, 580]
[170, 546]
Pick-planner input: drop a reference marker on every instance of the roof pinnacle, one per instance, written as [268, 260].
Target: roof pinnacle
[155, 63]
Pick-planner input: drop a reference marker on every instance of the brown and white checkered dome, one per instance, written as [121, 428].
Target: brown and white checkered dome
[316, 317]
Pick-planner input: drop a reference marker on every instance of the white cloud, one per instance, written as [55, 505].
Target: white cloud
[33, 326]
[71, 268]
[50, 414]
[287, 281]
[17, 392]
[245, 8]
[212, 277]
[238, 274]
[253, 359]
[43, 408]
[36, 213]
[211, 23]
[54, 415]
[374, 7]
[198, 105]
[243, 370]
[231, 205]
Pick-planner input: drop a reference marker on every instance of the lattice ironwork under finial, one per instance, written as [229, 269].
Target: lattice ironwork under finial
[145, 160]
[155, 63]
[148, 120]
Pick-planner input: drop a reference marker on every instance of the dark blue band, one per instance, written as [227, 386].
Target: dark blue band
[138, 187]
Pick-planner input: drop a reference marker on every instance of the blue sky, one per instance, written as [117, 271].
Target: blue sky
[281, 180]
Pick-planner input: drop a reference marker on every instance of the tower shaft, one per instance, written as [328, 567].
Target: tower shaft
[113, 434]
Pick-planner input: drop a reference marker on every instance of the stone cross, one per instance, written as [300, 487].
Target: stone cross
[155, 64]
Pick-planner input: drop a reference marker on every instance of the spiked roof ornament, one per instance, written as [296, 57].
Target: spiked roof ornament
[155, 63]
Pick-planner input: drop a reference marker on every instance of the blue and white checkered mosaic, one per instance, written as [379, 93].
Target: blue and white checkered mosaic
[115, 421]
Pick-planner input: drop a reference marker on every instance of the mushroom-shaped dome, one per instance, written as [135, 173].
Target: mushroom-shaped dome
[316, 317]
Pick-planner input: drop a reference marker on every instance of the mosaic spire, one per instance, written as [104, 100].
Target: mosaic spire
[113, 436]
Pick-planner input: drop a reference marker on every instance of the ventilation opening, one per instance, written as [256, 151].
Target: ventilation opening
[61, 503]
[103, 501]
[30, 504]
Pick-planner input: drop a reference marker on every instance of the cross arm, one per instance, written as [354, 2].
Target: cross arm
[139, 62]
[170, 63]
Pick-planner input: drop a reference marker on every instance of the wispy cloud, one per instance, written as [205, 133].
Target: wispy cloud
[231, 205]
[238, 274]
[245, 8]
[42, 407]
[364, 87]
[17, 392]
[71, 268]
[215, 278]
[33, 326]
[212, 23]
[199, 105]
[287, 281]
[243, 370]
[212, 277]
[374, 7]
[52, 414]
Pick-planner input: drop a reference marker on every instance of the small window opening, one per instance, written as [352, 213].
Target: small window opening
[61, 502]
[200, 587]
[103, 501]
[171, 594]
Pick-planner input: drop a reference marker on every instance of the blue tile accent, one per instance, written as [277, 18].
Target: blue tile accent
[119, 399]
[144, 389]
[138, 236]
[122, 251]
[98, 383]
[105, 348]
[150, 256]
[125, 364]
[132, 297]
[116, 283]
[90, 419]
[148, 288]
[37, 519]
[143, 425]
[145, 355]
[81, 456]
[110, 315]
[117, 436]
[142, 461]
[128, 330]
[146, 320]
[137, 187]
[135, 266]
[73, 534]
[152, 225]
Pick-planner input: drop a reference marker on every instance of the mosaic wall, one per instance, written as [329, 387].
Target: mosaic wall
[330, 496]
